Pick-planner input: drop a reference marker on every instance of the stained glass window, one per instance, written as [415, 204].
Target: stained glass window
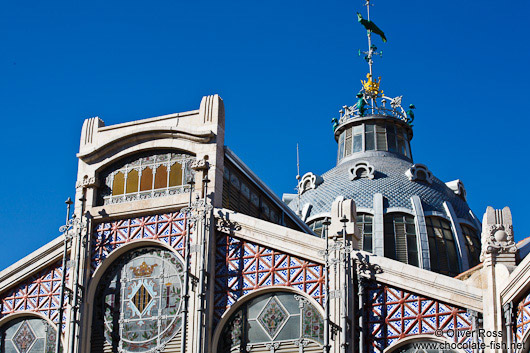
[146, 176]
[282, 318]
[27, 335]
[138, 302]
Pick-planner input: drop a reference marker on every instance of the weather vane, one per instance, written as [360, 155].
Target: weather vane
[370, 99]
[371, 87]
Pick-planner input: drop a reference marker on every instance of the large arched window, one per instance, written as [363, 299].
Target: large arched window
[472, 240]
[27, 335]
[400, 238]
[442, 247]
[281, 320]
[364, 223]
[137, 307]
[144, 176]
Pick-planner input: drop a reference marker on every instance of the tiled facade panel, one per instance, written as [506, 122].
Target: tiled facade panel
[40, 293]
[168, 228]
[393, 313]
[522, 319]
[242, 267]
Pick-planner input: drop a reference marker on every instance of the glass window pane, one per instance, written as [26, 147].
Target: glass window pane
[118, 184]
[132, 181]
[357, 143]
[175, 174]
[161, 177]
[146, 181]
[370, 144]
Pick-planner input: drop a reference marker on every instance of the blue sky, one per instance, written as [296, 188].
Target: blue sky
[284, 69]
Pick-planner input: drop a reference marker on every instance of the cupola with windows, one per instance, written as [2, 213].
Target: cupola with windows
[403, 211]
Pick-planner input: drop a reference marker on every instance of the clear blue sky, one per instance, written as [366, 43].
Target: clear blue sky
[283, 68]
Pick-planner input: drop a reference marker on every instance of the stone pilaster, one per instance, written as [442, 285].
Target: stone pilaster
[498, 256]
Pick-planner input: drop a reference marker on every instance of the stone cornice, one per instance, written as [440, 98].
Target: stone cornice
[518, 283]
[300, 244]
[139, 136]
[427, 283]
[32, 263]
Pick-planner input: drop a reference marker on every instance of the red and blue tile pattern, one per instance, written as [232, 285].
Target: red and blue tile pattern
[242, 267]
[40, 293]
[394, 314]
[168, 228]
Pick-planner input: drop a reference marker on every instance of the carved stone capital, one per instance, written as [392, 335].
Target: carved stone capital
[87, 182]
[497, 233]
[200, 164]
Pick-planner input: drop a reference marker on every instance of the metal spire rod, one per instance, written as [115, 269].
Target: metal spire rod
[68, 203]
[299, 210]
[202, 271]
[327, 346]
[344, 291]
[186, 296]
[369, 35]
[74, 325]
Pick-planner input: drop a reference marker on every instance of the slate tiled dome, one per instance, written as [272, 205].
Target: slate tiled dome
[389, 180]
[404, 211]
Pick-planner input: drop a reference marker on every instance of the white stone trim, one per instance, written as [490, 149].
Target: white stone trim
[421, 230]
[459, 236]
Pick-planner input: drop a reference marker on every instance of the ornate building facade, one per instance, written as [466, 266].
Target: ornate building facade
[176, 246]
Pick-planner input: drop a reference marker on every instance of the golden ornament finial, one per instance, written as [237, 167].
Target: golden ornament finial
[371, 87]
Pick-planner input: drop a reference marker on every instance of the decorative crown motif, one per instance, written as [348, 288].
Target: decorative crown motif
[143, 270]
[371, 87]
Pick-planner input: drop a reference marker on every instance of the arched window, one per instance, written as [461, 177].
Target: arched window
[144, 176]
[27, 335]
[472, 244]
[364, 223]
[281, 320]
[137, 307]
[400, 238]
[316, 226]
[442, 247]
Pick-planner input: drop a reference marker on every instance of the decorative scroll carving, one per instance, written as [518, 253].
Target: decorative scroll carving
[497, 232]
[87, 182]
[200, 164]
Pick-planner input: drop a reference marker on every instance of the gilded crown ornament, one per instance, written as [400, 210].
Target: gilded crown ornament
[144, 270]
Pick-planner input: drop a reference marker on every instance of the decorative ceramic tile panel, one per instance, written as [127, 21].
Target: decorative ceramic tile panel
[39, 293]
[522, 320]
[242, 267]
[169, 228]
[394, 313]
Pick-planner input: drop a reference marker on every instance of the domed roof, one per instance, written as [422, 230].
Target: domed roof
[389, 179]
